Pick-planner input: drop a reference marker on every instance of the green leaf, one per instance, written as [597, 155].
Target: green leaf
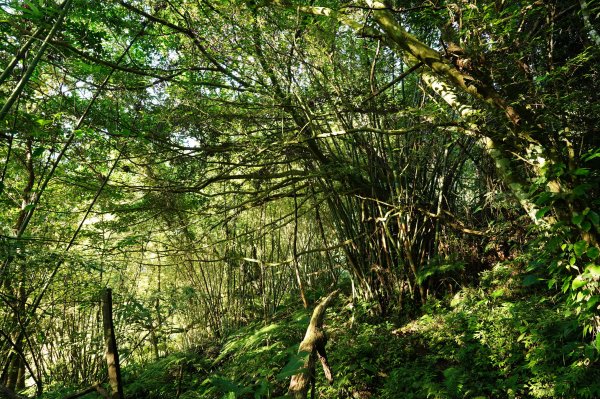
[30, 10]
[369, 367]
[565, 286]
[578, 282]
[79, 133]
[530, 280]
[579, 247]
[581, 172]
[581, 190]
[593, 270]
[543, 198]
[591, 156]
[586, 225]
[294, 366]
[594, 218]
[540, 214]
[591, 303]
[225, 385]
[44, 122]
[577, 219]
[593, 252]
[37, 152]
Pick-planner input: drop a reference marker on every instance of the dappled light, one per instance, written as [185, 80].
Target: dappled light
[282, 198]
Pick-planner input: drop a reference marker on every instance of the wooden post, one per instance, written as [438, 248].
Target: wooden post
[112, 354]
[314, 344]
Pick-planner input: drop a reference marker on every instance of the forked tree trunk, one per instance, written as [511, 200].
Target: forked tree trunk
[314, 344]
[112, 354]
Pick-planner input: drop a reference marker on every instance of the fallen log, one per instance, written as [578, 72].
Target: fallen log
[314, 344]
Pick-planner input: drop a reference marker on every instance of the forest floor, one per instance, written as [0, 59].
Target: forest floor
[498, 340]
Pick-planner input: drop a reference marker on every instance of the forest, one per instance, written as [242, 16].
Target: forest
[282, 198]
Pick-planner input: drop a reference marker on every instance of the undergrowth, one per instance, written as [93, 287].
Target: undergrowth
[498, 340]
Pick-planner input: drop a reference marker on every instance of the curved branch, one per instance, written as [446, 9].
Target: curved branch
[21, 85]
[189, 33]
[314, 344]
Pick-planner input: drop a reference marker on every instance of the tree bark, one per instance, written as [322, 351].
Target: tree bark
[314, 344]
[112, 354]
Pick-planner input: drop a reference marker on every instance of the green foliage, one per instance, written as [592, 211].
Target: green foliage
[564, 254]
[440, 268]
[256, 361]
[501, 346]
[178, 372]
[229, 127]
[358, 349]
[260, 359]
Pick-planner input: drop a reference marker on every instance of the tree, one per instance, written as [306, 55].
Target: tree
[211, 160]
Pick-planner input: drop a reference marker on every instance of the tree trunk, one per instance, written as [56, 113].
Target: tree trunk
[112, 354]
[314, 344]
